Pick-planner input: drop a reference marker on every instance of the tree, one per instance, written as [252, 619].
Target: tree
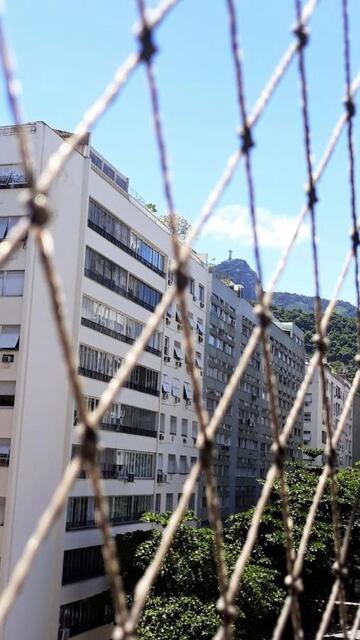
[182, 225]
[182, 601]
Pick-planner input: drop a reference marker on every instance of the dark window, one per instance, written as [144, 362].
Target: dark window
[82, 564]
[82, 615]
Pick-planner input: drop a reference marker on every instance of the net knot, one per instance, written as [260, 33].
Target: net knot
[350, 107]
[227, 610]
[181, 278]
[311, 195]
[278, 451]
[339, 570]
[247, 141]
[89, 445]
[206, 446]
[264, 315]
[147, 45]
[39, 207]
[331, 456]
[302, 35]
[321, 343]
[355, 239]
[294, 584]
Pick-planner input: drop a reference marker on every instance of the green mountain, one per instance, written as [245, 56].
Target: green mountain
[341, 334]
[306, 303]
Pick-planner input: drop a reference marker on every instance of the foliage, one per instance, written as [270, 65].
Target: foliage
[183, 599]
[182, 225]
[178, 618]
[341, 333]
[306, 303]
[151, 207]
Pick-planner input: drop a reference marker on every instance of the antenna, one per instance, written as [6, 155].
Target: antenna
[230, 254]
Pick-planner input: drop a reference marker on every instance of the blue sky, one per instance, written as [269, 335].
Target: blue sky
[66, 52]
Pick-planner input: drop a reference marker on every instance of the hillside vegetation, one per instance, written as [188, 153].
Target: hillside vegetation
[341, 333]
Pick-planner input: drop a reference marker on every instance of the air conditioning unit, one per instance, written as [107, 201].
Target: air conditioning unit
[200, 373]
[64, 633]
[161, 436]
[166, 358]
[168, 321]
[177, 400]
[165, 396]
[200, 339]
[179, 327]
[188, 403]
[194, 298]
[161, 477]
[178, 364]
[202, 305]
[7, 357]
[130, 476]
[184, 440]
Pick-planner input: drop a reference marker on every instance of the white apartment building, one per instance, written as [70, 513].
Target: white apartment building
[315, 434]
[113, 258]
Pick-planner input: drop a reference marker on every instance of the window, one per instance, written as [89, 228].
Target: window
[178, 355]
[176, 388]
[11, 283]
[201, 293]
[160, 461]
[166, 386]
[169, 502]
[187, 391]
[158, 503]
[143, 294]
[184, 467]
[82, 615]
[4, 452]
[184, 427]
[162, 423]
[103, 366]
[12, 176]
[172, 466]
[194, 429]
[7, 394]
[198, 360]
[2, 511]
[192, 502]
[307, 417]
[99, 316]
[9, 336]
[166, 346]
[323, 437]
[6, 224]
[147, 253]
[192, 286]
[173, 425]
[82, 564]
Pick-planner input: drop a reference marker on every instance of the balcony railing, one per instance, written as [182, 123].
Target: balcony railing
[4, 459]
[114, 520]
[109, 284]
[115, 334]
[104, 377]
[123, 428]
[124, 247]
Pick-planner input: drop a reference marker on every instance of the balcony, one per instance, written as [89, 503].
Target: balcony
[117, 427]
[124, 247]
[109, 284]
[104, 377]
[115, 334]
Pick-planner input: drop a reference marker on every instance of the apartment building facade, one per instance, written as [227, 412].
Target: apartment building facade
[315, 434]
[243, 444]
[113, 258]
